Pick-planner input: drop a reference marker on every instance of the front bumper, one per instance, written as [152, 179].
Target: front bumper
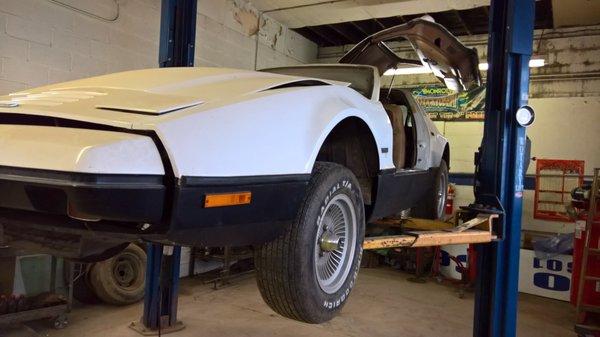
[119, 206]
[116, 197]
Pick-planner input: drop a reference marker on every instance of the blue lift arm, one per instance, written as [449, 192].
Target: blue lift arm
[501, 164]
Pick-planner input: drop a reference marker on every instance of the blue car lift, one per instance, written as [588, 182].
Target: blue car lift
[500, 165]
[177, 39]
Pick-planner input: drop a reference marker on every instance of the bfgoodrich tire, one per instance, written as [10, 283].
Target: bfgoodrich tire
[433, 205]
[120, 279]
[308, 272]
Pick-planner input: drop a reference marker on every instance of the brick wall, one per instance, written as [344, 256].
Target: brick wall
[43, 43]
[226, 37]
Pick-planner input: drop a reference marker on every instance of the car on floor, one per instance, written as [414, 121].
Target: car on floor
[293, 160]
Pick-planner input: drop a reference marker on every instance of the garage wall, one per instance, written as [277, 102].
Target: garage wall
[226, 37]
[565, 128]
[42, 42]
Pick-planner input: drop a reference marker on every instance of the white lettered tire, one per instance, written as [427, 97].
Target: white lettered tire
[308, 272]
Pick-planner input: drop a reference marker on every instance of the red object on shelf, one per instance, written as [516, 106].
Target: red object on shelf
[554, 181]
[591, 291]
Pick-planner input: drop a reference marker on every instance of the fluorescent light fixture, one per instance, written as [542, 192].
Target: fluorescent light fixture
[533, 63]
[407, 71]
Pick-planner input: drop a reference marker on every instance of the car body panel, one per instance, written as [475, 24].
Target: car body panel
[78, 150]
[224, 127]
[453, 63]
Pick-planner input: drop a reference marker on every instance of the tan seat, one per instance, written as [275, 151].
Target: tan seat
[397, 114]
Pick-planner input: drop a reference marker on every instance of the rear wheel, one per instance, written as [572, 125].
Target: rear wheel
[433, 205]
[120, 279]
[308, 272]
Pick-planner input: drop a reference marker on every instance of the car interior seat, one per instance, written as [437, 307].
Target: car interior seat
[397, 114]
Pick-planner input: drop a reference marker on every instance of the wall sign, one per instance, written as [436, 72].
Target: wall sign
[443, 104]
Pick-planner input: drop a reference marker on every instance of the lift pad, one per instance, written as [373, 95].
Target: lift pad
[434, 233]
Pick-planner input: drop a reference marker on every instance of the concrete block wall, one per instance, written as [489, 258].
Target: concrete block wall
[42, 42]
[226, 37]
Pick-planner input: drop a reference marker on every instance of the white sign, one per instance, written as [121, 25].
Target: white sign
[548, 278]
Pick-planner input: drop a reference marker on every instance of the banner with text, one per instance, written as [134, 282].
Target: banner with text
[443, 104]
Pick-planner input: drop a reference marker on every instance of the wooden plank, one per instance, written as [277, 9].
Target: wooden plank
[428, 239]
[442, 238]
[391, 241]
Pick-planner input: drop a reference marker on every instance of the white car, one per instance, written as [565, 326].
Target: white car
[293, 160]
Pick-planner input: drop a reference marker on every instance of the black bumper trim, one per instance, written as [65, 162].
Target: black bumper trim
[276, 200]
[117, 197]
[123, 202]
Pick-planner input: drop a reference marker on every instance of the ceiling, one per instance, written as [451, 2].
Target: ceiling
[339, 22]
[302, 13]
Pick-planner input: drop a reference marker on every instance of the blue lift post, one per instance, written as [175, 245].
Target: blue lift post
[177, 39]
[501, 163]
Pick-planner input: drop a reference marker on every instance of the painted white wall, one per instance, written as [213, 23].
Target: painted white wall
[565, 128]
[43, 43]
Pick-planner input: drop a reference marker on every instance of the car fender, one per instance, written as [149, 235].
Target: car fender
[278, 132]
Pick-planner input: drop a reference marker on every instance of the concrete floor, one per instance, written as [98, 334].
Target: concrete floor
[383, 303]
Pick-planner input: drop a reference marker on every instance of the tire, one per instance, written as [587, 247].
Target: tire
[103, 255]
[433, 205]
[292, 271]
[120, 279]
[82, 289]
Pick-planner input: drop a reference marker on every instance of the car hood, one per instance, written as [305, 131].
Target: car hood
[452, 62]
[126, 98]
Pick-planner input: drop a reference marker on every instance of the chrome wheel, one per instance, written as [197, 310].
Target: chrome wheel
[335, 243]
[441, 194]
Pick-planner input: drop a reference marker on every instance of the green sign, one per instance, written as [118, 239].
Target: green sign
[443, 104]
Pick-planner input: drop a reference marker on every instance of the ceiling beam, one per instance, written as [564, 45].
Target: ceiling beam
[346, 31]
[309, 34]
[462, 21]
[379, 23]
[316, 30]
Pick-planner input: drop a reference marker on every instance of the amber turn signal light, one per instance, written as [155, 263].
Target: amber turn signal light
[227, 199]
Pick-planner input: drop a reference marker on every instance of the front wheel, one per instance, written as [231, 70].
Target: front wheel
[308, 272]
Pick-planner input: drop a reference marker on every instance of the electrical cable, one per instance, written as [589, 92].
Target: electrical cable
[90, 14]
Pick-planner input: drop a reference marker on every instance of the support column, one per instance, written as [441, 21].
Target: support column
[501, 165]
[177, 44]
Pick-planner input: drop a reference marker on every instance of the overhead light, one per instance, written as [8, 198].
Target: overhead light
[533, 63]
[407, 71]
